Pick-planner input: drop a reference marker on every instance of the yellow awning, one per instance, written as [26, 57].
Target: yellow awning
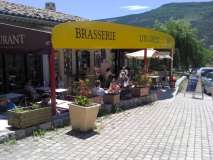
[93, 35]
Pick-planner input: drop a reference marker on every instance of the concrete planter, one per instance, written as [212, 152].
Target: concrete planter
[29, 118]
[140, 91]
[83, 118]
[112, 98]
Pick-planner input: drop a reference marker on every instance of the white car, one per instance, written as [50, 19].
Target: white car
[203, 71]
[208, 82]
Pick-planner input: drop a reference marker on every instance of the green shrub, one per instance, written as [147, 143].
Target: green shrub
[38, 133]
[25, 109]
[82, 101]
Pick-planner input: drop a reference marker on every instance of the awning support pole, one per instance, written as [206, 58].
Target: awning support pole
[52, 80]
[145, 60]
[171, 63]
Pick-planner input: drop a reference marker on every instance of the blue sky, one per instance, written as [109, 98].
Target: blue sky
[98, 9]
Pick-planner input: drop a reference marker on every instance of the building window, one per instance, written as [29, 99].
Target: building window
[68, 62]
[34, 69]
[103, 54]
[84, 63]
[97, 59]
[15, 70]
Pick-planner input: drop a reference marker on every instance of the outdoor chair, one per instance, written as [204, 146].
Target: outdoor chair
[30, 97]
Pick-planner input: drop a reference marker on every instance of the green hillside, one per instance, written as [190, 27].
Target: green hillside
[199, 14]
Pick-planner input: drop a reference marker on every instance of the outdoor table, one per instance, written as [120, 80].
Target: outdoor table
[63, 104]
[47, 89]
[61, 90]
[60, 103]
[43, 89]
[154, 77]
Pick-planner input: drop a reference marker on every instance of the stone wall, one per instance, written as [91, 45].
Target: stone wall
[129, 103]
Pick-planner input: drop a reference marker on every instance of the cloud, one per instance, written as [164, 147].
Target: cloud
[135, 7]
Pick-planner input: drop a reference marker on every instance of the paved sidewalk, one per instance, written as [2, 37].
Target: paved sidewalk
[4, 131]
[172, 129]
[3, 123]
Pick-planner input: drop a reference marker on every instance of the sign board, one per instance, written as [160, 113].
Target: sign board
[22, 40]
[93, 34]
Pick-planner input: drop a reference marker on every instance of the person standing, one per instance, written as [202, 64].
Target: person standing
[124, 69]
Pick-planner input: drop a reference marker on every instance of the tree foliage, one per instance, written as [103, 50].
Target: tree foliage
[189, 51]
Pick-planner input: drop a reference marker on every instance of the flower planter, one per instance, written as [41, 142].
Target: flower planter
[97, 99]
[29, 118]
[112, 98]
[83, 118]
[140, 91]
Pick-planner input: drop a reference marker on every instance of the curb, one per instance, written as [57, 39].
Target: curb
[57, 122]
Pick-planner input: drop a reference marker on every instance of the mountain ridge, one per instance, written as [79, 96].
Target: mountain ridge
[198, 14]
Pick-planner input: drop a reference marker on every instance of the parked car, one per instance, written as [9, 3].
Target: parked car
[208, 82]
[203, 71]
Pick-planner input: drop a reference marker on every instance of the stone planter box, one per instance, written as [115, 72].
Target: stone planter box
[112, 99]
[97, 99]
[140, 91]
[83, 118]
[28, 118]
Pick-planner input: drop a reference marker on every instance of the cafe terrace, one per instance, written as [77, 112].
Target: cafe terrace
[87, 52]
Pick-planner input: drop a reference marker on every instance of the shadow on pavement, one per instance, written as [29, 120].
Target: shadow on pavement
[81, 135]
[198, 98]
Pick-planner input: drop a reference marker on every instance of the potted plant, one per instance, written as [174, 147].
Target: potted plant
[112, 95]
[28, 116]
[142, 85]
[83, 114]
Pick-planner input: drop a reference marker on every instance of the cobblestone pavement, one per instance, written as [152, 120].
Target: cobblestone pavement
[174, 129]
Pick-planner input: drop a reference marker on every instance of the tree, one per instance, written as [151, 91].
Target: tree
[209, 58]
[189, 51]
